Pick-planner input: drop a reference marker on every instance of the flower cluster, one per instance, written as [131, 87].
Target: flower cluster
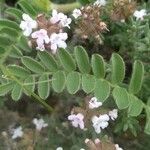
[88, 21]
[46, 33]
[122, 9]
[101, 145]
[80, 117]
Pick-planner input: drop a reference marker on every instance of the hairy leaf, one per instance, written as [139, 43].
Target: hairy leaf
[102, 90]
[82, 59]
[137, 77]
[48, 60]
[44, 86]
[58, 81]
[121, 97]
[88, 83]
[135, 107]
[73, 82]
[118, 69]
[98, 66]
[32, 64]
[66, 60]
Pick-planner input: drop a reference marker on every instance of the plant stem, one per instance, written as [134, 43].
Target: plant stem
[65, 7]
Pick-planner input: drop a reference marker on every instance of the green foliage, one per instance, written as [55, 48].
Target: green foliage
[32, 64]
[48, 60]
[82, 59]
[58, 81]
[73, 82]
[118, 69]
[16, 92]
[66, 60]
[102, 89]
[88, 83]
[43, 86]
[98, 66]
[137, 77]
[121, 97]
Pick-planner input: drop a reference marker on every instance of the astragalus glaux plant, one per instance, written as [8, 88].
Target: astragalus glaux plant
[34, 59]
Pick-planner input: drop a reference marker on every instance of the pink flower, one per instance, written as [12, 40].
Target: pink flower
[41, 38]
[27, 24]
[113, 114]
[77, 120]
[100, 122]
[58, 41]
[60, 18]
[93, 103]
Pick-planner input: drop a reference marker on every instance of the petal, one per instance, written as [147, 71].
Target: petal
[54, 47]
[62, 44]
[81, 124]
[80, 116]
[26, 17]
[71, 117]
[75, 124]
[23, 25]
[27, 32]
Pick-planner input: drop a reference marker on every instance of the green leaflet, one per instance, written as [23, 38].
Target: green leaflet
[58, 81]
[5, 41]
[88, 83]
[48, 61]
[5, 88]
[32, 64]
[135, 107]
[27, 8]
[9, 24]
[82, 59]
[14, 12]
[98, 66]
[73, 82]
[12, 33]
[137, 77]
[44, 86]
[16, 92]
[18, 71]
[121, 97]
[15, 52]
[29, 84]
[23, 44]
[66, 60]
[118, 69]
[147, 126]
[102, 90]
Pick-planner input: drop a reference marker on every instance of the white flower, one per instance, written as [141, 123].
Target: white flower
[17, 133]
[100, 2]
[77, 120]
[58, 41]
[59, 148]
[27, 24]
[113, 114]
[76, 13]
[39, 123]
[100, 122]
[117, 147]
[60, 18]
[140, 14]
[93, 103]
[82, 149]
[41, 38]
